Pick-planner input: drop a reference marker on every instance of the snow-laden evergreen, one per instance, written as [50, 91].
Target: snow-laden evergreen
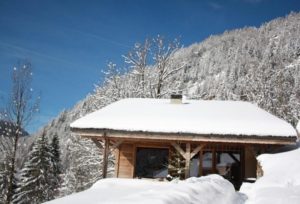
[56, 165]
[176, 165]
[85, 166]
[4, 177]
[37, 175]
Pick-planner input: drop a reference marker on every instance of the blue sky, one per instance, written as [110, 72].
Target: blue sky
[70, 42]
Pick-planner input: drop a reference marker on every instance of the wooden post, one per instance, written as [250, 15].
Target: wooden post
[178, 148]
[105, 157]
[187, 155]
[115, 145]
[187, 160]
[200, 163]
[196, 150]
[97, 143]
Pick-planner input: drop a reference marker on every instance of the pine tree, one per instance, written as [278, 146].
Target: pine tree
[56, 165]
[68, 185]
[36, 175]
[176, 164]
[85, 167]
[4, 176]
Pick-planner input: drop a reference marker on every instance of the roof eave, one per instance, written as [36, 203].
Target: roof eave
[141, 135]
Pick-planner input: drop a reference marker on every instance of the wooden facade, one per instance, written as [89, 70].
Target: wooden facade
[126, 160]
[152, 138]
[241, 150]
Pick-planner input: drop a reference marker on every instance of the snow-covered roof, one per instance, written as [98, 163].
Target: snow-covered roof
[192, 116]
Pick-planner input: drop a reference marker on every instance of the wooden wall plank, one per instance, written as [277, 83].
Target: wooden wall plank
[126, 160]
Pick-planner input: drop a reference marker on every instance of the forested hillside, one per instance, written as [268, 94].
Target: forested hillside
[261, 65]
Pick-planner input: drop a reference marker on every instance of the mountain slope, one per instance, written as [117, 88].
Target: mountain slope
[261, 65]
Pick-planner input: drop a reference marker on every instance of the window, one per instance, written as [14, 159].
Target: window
[151, 162]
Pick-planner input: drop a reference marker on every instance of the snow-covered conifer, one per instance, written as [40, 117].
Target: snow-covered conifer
[176, 164]
[55, 165]
[36, 175]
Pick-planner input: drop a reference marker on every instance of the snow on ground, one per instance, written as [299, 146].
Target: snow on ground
[193, 116]
[207, 189]
[281, 180]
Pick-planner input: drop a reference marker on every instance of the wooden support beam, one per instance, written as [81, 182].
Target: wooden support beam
[233, 157]
[196, 150]
[97, 143]
[111, 143]
[128, 135]
[179, 149]
[187, 160]
[115, 145]
[200, 163]
[105, 157]
[187, 155]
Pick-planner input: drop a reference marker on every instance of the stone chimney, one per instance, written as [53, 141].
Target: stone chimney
[176, 99]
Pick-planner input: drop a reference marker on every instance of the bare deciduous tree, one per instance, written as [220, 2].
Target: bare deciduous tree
[162, 56]
[137, 59]
[157, 55]
[19, 112]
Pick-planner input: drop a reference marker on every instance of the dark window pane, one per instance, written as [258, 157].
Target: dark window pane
[152, 162]
[207, 163]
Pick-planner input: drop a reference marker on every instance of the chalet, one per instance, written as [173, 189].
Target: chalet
[148, 135]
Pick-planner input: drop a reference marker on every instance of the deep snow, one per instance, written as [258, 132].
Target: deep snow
[203, 190]
[280, 182]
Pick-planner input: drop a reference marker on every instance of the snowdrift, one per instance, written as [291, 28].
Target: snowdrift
[207, 189]
[281, 180]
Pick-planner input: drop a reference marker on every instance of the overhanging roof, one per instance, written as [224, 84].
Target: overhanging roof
[194, 117]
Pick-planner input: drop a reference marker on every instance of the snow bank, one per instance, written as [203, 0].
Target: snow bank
[208, 189]
[281, 180]
[193, 116]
